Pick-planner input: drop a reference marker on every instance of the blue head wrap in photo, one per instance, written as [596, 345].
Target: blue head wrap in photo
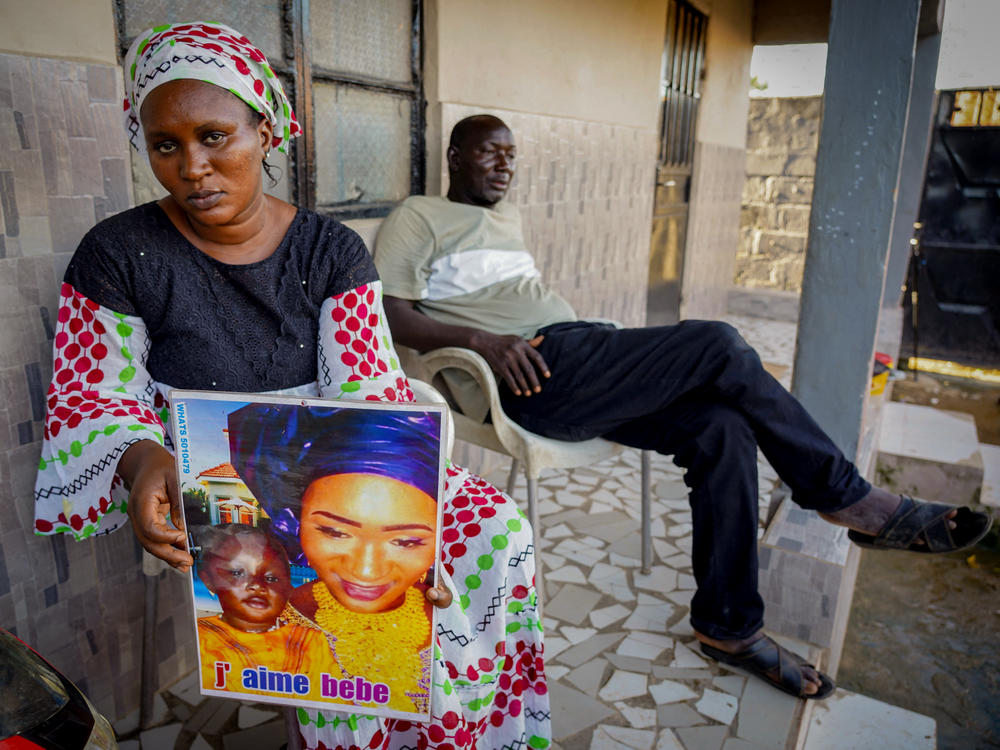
[280, 449]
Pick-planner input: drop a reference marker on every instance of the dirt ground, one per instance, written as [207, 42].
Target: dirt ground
[980, 400]
[924, 632]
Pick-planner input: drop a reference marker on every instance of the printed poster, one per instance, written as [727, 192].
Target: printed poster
[314, 526]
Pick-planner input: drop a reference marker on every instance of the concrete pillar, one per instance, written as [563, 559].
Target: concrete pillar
[868, 73]
[916, 144]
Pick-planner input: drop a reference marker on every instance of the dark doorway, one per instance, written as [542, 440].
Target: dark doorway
[954, 275]
[680, 90]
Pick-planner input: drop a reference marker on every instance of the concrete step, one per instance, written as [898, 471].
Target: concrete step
[849, 720]
[991, 475]
[931, 453]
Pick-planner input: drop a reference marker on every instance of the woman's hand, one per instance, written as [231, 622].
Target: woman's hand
[439, 596]
[150, 474]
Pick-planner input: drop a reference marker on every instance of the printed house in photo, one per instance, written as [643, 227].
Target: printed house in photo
[229, 500]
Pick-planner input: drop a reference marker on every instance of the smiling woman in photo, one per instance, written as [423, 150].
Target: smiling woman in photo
[352, 494]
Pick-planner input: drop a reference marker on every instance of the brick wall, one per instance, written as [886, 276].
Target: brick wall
[782, 138]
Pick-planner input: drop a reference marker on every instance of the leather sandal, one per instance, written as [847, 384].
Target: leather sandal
[916, 521]
[774, 664]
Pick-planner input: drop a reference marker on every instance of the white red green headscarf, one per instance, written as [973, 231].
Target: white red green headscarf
[207, 52]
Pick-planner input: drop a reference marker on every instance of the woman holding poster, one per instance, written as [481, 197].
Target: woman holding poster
[220, 287]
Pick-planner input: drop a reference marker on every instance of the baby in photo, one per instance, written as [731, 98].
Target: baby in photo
[248, 648]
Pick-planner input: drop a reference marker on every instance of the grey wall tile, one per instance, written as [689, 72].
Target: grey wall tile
[4, 587]
[59, 557]
[72, 217]
[56, 161]
[86, 166]
[108, 128]
[8, 203]
[24, 433]
[117, 187]
[24, 129]
[36, 390]
[29, 183]
[22, 95]
[75, 102]
[102, 84]
[6, 92]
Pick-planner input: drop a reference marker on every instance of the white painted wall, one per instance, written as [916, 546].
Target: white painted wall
[65, 29]
[969, 56]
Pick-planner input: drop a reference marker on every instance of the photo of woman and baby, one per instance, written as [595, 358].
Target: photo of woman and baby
[320, 601]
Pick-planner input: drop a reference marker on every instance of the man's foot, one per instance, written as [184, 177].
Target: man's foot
[883, 520]
[869, 514]
[810, 677]
[763, 657]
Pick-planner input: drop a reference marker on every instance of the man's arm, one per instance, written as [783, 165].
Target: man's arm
[515, 360]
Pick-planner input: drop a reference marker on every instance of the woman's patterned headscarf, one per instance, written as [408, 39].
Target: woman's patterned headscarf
[207, 52]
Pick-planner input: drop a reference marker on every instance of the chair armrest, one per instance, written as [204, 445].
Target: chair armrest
[466, 360]
[428, 394]
[502, 433]
[509, 433]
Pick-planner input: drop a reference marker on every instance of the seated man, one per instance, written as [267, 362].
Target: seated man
[456, 272]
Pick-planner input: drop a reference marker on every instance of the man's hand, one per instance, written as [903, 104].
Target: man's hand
[149, 473]
[515, 360]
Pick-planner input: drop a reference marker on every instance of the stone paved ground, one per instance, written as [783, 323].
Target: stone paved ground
[624, 669]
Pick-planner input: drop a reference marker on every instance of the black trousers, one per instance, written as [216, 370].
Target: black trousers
[698, 391]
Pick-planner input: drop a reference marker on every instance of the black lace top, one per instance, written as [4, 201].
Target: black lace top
[217, 326]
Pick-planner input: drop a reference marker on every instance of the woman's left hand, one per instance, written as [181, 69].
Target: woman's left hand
[439, 596]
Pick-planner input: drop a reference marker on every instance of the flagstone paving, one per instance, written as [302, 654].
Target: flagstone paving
[625, 670]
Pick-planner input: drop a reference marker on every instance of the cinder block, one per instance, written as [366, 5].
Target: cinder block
[800, 165]
[802, 578]
[847, 719]
[766, 163]
[991, 475]
[793, 218]
[930, 453]
[779, 244]
[790, 189]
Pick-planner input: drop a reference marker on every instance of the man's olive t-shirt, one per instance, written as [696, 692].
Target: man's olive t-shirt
[466, 265]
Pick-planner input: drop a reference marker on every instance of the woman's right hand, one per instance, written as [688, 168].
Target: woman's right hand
[148, 471]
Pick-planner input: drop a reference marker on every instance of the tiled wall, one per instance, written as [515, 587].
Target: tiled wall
[64, 166]
[585, 191]
[713, 226]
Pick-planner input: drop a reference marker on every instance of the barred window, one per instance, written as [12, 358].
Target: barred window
[353, 71]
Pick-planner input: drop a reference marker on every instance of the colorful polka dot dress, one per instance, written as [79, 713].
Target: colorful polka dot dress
[143, 311]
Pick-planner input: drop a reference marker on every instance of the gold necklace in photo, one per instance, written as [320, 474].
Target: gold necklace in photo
[380, 646]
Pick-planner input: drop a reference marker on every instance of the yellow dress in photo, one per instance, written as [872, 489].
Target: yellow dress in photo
[289, 649]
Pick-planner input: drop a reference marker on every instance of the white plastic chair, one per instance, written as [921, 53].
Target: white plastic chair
[534, 452]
